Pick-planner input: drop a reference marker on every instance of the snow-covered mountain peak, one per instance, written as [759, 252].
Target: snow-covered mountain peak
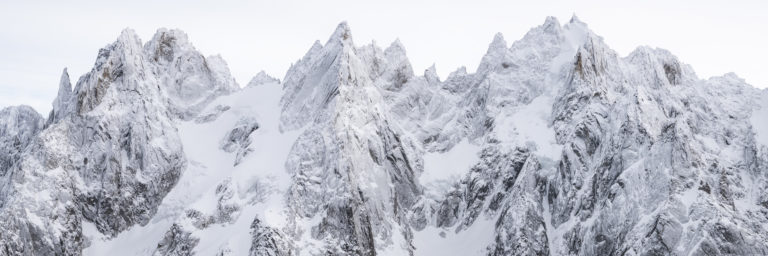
[497, 51]
[123, 58]
[65, 85]
[551, 25]
[262, 78]
[189, 79]
[497, 47]
[314, 81]
[166, 43]
[549, 40]
[342, 34]
[61, 102]
[554, 146]
[664, 64]
[575, 20]
[498, 42]
[430, 74]
[550, 21]
[129, 36]
[459, 72]
[396, 46]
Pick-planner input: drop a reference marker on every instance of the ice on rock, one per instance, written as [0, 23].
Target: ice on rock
[61, 103]
[111, 151]
[351, 157]
[18, 127]
[190, 80]
[555, 145]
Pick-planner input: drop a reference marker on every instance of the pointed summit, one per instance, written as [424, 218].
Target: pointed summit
[62, 98]
[575, 20]
[396, 45]
[262, 78]
[178, 35]
[129, 38]
[341, 34]
[498, 41]
[312, 82]
[126, 45]
[551, 21]
[551, 24]
[430, 74]
[165, 43]
[316, 46]
[496, 53]
[65, 89]
[396, 55]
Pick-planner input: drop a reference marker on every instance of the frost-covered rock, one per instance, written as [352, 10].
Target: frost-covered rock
[190, 81]
[110, 152]
[626, 154]
[61, 106]
[238, 139]
[176, 242]
[268, 242]
[352, 167]
[555, 145]
[18, 127]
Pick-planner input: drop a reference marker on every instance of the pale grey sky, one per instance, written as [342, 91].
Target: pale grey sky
[38, 39]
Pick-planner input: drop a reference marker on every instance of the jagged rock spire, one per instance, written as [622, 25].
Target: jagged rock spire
[342, 33]
[574, 150]
[312, 82]
[63, 98]
[430, 74]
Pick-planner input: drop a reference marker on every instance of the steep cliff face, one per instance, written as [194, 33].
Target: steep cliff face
[189, 80]
[589, 153]
[18, 127]
[639, 148]
[645, 141]
[352, 167]
[60, 104]
[555, 145]
[109, 155]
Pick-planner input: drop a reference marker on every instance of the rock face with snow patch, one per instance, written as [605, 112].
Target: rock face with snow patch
[190, 81]
[575, 151]
[109, 154]
[351, 167]
[18, 127]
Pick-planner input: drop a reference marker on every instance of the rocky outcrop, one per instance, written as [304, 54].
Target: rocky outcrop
[190, 80]
[555, 145]
[352, 166]
[109, 155]
[18, 127]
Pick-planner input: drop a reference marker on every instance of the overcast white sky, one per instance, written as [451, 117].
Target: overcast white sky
[38, 39]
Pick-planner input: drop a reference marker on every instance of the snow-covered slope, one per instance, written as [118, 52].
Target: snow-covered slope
[109, 155]
[555, 145]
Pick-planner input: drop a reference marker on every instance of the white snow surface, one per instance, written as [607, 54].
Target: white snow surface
[446, 241]
[208, 167]
[353, 145]
[530, 126]
[443, 169]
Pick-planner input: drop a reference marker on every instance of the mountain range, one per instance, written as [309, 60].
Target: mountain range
[555, 145]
